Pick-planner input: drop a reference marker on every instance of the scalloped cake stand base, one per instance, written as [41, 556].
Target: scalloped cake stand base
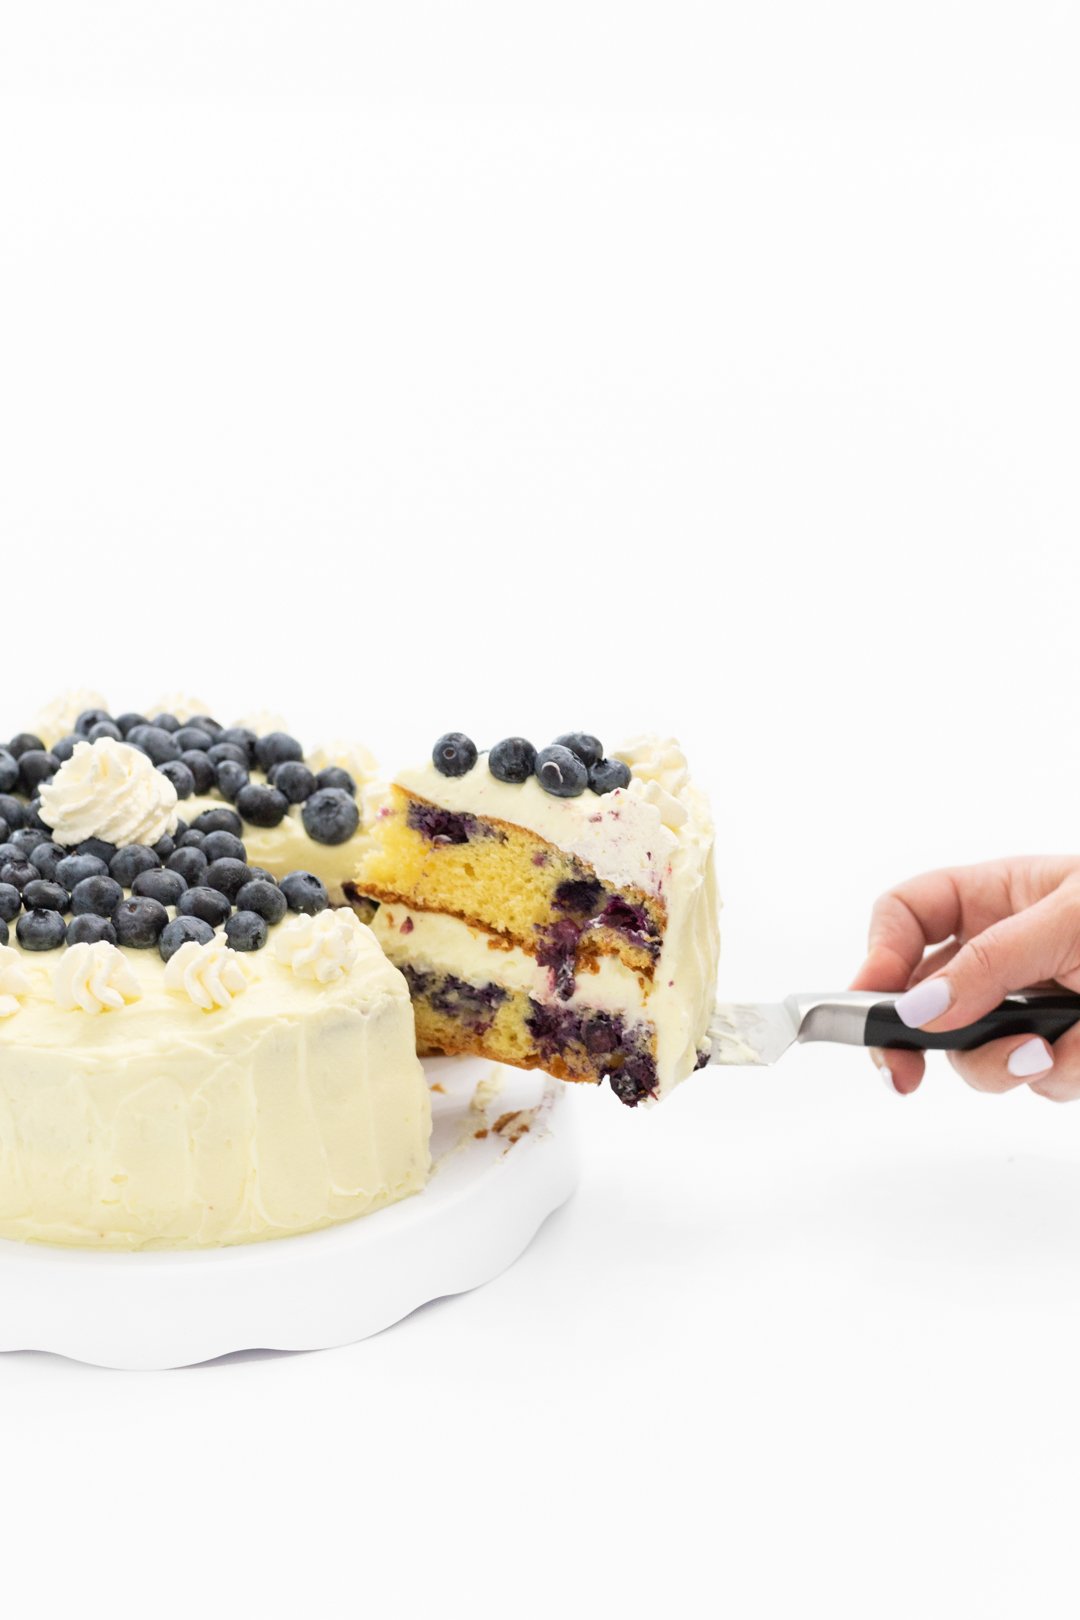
[504, 1160]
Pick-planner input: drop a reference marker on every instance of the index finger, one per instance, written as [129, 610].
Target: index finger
[924, 911]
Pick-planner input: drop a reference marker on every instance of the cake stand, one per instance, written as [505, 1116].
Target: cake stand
[503, 1161]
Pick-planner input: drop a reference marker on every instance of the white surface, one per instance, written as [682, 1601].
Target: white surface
[489, 1192]
[590, 365]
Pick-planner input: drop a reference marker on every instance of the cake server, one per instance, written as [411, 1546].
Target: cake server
[760, 1032]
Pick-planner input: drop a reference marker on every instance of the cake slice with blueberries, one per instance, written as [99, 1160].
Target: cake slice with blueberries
[551, 909]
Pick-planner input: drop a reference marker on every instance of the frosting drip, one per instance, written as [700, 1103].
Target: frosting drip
[109, 790]
[322, 947]
[94, 978]
[210, 975]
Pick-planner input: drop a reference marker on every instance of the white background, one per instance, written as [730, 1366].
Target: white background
[519, 368]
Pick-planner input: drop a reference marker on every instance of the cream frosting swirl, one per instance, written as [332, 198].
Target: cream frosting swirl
[13, 981]
[350, 756]
[94, 978]
[58, 718]
[210, 975]
[179, 704]
[109, 790]
[323, 947]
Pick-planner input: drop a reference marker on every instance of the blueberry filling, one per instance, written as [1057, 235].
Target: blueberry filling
[630, 1068]
[445, 993]
[557, 950]
[445, 826]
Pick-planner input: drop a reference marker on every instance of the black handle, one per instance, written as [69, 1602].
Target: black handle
[1046, 1015]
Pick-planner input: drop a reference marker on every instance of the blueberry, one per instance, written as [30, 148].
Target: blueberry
[590, 750]
[304, 892]
[26, 840]
[336, 776]
[139, 921]
[158, 744]
[454, 754]
[194, 737]
[224, 845]
[608, 775]
[99, 895]
[262, 805]
[90, 718]
[201, 767]
[246, 931]
[181, 829]
[36, 766]
[160, 884]
[294, 780]
[261, 873]
[65, 747]
[34, 818]
[240, 737]
[228, 876]
[218, 820]
[5, 932]
[181, 777]
[128, 722]
[13, 811]
[259, 896]
[9, 771]
[46, 857]
[560, 772]
[11, 852]
[24, 743]
[128, 862]
[232, 777]
[10, 902]
[164, 847]
[512, 760]
[18, 873]
[166, 722]
[189, 863]
[44, 896]
[203, 722]
[74, 868]
[275, 748]
[97, 846]
[191, 839]
[104, 728]
[40, 930]
[330, 816]
[226, 750]
[89, 929]
[180, 931]
[209, 905]
[5, 831]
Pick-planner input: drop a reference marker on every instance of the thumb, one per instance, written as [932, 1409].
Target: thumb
[1040, 943]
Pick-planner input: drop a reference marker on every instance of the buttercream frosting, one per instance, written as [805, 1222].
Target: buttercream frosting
[13, 981]
[94, 978]
[181, 705]
[109, 790]
[210, 975]
[57, 719]
[323, 947]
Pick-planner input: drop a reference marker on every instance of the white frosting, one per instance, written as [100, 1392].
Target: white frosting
[178, 704]
[210, 975]
[351, 756]
[57, 719]
[262, 721]
[14, 982]
[323, 947]
[94, 978]
[109, 790]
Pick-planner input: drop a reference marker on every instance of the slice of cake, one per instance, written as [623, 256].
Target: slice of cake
[552, 909]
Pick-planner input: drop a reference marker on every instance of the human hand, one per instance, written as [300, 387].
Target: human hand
[957, 942]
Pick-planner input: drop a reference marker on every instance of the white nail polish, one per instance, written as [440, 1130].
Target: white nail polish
[1033, 1058]
[886, 1075]
[925, 1002]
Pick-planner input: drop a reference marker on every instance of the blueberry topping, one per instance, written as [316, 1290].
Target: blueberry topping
[5, 831]
[191, 838]
[128, 862]
[10, 902]
[228, 876]
[160, 884]
[180, 776]
[454, 754]
[18, 873]
[139, 921]
[208, 905]
[12, 852]
[104, 728]
[512, 760]
[40, 895]
[99, 895]
[40, 930]
[34, 819]
[193, 737]
[203, 722]
[261, 872]
[65, 747]
[89, 929]
[5, 932]
[74, 868]
[218, 820]
[166, 722]
[275, 748]
[240, 737]
[90, 718]
[608, 775]
[154, 741]
[46, 857]
[228, 750]
[96, 846]
[560, 772]
[180, 931]
[262, 805]
[296, 781]
[259, 896]
[304, 892]
[201, 768]
[590, 750]
[219, 846]
[26, 840]
[13, 811]
[164, 847]
[246, 931]
[36, 766]
[232, 777]
[330, 816]
[24, 743]
[128, 722]
[9, 771]
[189, 863]
[336, 776]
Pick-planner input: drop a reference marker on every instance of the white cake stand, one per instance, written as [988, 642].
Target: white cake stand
[503, 1162]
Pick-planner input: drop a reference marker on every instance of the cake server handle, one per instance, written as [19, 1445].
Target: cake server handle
[869, 1018]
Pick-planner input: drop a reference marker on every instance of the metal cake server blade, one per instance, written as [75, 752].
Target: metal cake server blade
[758, 1033]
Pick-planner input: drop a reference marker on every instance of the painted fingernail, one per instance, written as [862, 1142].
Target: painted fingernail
[886, 1074]
[925, 1002]
[1033, 1058]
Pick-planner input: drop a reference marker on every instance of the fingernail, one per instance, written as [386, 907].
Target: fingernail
[886, 1075]
[1033, 1058]
[925, 1002]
